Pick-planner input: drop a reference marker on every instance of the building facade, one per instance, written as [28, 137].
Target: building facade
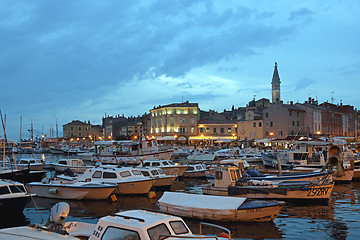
[282, 120]
[79, 129]
[251, 129]
[178, 120]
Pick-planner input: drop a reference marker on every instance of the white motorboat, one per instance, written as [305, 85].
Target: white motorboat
[168, 166]
[75, 165]
[219, 208]
[127, 225]
[195, 171]
[131, 152]
[129, 180]
[34, 164]
[161, 179]
[87, 155]
[63, 189]
[13, 196]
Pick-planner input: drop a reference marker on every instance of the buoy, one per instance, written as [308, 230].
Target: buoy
[113, 198]
[152, 194]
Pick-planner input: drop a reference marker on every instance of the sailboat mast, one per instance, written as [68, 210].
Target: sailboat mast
[4, 124]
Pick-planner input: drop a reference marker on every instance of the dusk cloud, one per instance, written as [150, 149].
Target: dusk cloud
[59, 59]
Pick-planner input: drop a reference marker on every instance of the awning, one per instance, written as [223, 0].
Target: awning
[182, 138]
[166, 138]
[212, 138]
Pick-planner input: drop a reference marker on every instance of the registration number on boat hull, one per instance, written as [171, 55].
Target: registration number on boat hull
[313, 192]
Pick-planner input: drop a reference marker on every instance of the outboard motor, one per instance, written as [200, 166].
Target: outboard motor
[58, 214]
[335, 160]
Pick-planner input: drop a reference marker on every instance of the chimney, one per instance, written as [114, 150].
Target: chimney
[291, 103]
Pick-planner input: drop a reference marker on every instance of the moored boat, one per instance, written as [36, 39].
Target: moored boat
[62, 189]
[129, 180]
[131, 224]
[13, 196]
[219, 208]
[75, 165]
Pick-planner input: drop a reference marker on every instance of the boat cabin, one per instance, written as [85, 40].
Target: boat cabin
[226, 176]
[135, 225]
[111, 174]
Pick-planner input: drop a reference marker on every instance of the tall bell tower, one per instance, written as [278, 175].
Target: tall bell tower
[275, 85]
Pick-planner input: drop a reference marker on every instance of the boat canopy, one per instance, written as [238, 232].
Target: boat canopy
[191, 201]
[113, 143]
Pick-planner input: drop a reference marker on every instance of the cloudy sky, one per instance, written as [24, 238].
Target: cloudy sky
[67, 60]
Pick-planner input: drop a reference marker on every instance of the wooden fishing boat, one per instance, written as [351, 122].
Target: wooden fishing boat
[229, 181]
[219, 208]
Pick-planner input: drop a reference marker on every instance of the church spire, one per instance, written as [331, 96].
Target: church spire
[275, 85]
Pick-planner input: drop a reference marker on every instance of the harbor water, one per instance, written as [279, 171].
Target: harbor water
[337, 219]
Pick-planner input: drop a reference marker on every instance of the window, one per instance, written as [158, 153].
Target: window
[280, 133]
[229, 130]
[297, 123]
[182, 121]
[4, 190]
[218, 175]
[145, 173]
[97, 174]
[125, 174]
[207, 130]
[297, 114]
[271, 124]
[293, 123]
[118, 234]
[290, 113]
[259, 124]
[155, 232]
[79, 128]
[233, 175]
[172, 121]
[214, 130]
[192, 120]
[17, 189]
[109, 175]
[254, 124]
[136, 172]
[192, 129]
[266, 133]
[266, 114]
[154, 172]
[222, 130]
[72, 128]
[178, 227]
[201, 130]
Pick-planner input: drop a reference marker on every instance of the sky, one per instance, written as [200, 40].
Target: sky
[81, 60]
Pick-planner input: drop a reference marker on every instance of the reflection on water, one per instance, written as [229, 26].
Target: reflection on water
[337, 219]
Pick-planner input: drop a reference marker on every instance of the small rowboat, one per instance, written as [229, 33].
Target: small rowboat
[219, 208]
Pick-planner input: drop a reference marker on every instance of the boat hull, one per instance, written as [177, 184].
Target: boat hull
[164, 181]
[14, 204]
[285, 192]
[259, 214]
[70, 192]
[134, 187]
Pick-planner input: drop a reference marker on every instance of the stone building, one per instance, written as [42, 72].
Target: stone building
[282, 120]
[79, 129]
[176, 120]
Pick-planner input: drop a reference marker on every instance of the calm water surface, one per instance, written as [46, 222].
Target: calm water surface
[338, 219]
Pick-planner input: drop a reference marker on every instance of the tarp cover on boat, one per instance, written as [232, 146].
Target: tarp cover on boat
[188, 201]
